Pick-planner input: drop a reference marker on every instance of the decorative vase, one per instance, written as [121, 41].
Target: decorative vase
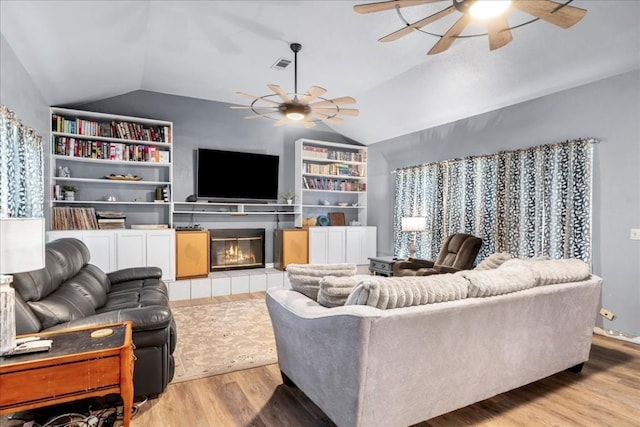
[289, 201]
[70, 195]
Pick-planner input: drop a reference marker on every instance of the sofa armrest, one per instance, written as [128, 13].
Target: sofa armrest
[149, 318]
[136, 273]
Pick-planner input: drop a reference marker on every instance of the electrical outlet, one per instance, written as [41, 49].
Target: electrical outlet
[607, 314]
[635, 234]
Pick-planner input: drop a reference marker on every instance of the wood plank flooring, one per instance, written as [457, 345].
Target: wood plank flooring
[605, 393]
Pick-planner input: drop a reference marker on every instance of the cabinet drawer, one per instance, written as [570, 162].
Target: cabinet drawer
[59, 380]
[381, 266]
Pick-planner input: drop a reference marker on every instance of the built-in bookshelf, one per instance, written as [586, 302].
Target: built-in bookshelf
[114, 163]
[331, 178]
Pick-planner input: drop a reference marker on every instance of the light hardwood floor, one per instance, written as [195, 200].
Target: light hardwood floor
[605, 393]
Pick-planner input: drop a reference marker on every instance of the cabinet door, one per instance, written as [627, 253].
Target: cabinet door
[192, 254]
[131, 249]
[353, 245]
[61, 234]
[336, 245]
[161, 252]
[102, 247]
[295, 247]
[369, 244]
[318, 245]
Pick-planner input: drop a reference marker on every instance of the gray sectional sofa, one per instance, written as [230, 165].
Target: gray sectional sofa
[366, 366]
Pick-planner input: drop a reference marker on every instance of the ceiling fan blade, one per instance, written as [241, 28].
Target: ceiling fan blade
[308, 124]
[327, 118]
[552, 12]
[332, 111]
[257, 97]
[249, 107]
[283, 121]
[388, 5]
[255, 116]
[337, 101]
[280, 92]
[499, 33]
[418, 24]
[449, 37]
[312, 93]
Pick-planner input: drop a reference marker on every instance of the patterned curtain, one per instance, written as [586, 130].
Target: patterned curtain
[21, 169]
[530, 202]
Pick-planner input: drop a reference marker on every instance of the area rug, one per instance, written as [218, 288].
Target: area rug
[222, 337]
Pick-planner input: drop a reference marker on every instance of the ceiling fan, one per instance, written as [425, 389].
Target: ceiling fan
[292, 107]
[492, 12]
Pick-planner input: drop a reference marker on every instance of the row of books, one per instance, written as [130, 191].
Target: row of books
[326, 153]
[108, 220]
[112, 129]
[333, 184]
[337, 169]
[68, 146]
[65, 218]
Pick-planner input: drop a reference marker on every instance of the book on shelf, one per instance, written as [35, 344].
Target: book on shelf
[67, 218]
[110, 215]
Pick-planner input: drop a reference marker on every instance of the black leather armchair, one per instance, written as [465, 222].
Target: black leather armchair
[69, 292]
[458, 252]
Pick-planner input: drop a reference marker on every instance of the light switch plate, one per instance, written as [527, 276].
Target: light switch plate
[635, 234]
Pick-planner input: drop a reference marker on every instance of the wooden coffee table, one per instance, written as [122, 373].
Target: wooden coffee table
[77, 366]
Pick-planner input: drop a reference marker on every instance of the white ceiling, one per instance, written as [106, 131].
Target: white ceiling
[80, 51]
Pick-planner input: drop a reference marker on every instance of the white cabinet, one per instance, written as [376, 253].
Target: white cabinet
[161, 245]
[360, 244]
[331, 245]
[132, 249]
[114, 163]
[117, 249]
[331, 178]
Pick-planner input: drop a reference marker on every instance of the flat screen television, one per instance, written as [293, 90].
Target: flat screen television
[233, 175]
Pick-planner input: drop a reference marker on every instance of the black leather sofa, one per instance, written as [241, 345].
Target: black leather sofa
[69, 292]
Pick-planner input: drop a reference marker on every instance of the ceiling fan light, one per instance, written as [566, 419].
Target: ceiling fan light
[294, 111]
[487, 9]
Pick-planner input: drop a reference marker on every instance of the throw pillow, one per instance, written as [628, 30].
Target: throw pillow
[493, 261]
[553, 271]
[335, 290]
[498, 281]
[397, 292]
[305, 278]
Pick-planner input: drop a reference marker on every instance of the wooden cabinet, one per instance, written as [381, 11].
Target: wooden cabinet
[331, 245]
[291, 247]
[192, 254]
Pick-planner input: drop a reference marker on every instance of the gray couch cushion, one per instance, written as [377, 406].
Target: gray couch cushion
[334, 291]
[305, 278]
[397, 292]
[493, 261]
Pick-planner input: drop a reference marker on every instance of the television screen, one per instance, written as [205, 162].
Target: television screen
[224, 175]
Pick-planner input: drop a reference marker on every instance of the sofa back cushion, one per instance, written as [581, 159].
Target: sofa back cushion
[305, 278]
[63, 259]
[63, 305]
[334, 291]
[397, 292]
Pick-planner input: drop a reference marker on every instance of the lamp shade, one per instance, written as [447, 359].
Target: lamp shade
[21, 245]
[414, 223]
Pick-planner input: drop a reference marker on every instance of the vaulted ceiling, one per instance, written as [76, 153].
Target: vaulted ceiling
[81, 51]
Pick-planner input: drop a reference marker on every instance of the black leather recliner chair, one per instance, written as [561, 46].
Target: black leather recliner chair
[69, 292]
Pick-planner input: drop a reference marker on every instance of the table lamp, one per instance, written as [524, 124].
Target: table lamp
[21, 249]
[413, 225]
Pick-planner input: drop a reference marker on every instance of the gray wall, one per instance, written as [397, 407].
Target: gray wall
[199, 123]
[609, 110]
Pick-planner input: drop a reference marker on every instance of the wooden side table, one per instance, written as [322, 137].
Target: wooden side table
[77, 366]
